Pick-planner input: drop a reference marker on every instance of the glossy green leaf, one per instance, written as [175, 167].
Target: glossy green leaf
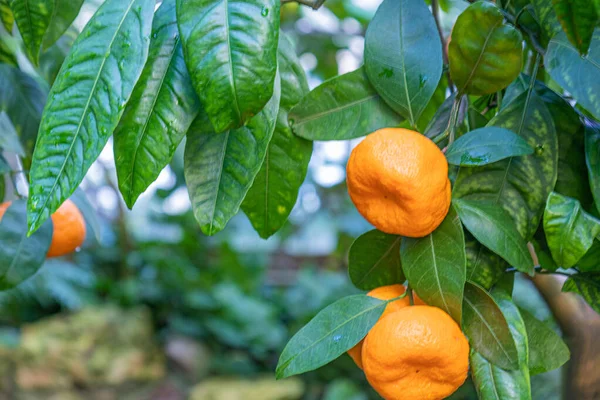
[230, 48]
[576, 74]
[547, 350]
[221, 167]
[545, 14]
[592, 160]
[86, 101]
[23, 99]
[435, 265]
[374, 260]
[487, 328]
[439, 122]
[63, 14]
[486, 145]
[484, 267]
[403, 56]
[9, 140]
[344, 107]
[578, 19]
[590, 262]
[493, 382]
[21, 256]
[570, 231]
[586, 284]
[6, 16]
[520, 185]
[32, 18]
[273, 194]
[162, 107]
[331, 333]
[485, 55]
[494, 228]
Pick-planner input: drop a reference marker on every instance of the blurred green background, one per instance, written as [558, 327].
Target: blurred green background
[152, 309]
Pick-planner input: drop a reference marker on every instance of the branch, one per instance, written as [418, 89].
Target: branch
[314, 4]
[436, 16]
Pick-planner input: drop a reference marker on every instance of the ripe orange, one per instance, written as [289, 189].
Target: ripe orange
[416, 353]
[69, 228]
[398, 180]
[384, 293]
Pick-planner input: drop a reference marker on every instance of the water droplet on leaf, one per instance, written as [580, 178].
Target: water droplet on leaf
[264, 12]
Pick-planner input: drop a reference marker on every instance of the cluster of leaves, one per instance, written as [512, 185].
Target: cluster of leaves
[524, 167]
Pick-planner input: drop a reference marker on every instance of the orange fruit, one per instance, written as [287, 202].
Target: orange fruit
[384, 293]
[69, 228]
[398, 180]
[416, 353]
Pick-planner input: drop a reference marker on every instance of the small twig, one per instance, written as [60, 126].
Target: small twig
[436, 16]
[314, 4]
[533, 254]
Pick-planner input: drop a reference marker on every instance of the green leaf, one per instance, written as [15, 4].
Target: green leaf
[485, 55]
[570, 231]
[4, 168]
[586, 284]
[484, 267]
[273, 194]
[590, 262]
[520, 185]
[21, 256]
[221, 167]
[162, 107]
[544, 11]
[23, 99]
[576, 74]
[403, 56]
[487, 328]
[230, 48]
[52, 59]
[6, 16]
[32, 18]
[333, 331]
[344, 107]
[578, 19]
[374, 260]
[493, 382]
[486, 145]
[439, 122]
[7, 52]
[494, 228]
[86, 101]
[63, 14]
[9, 140]
[547, 350]
[592, 160]
[435, 265]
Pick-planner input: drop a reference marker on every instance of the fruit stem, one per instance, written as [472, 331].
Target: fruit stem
[409, 291]
[450, 128]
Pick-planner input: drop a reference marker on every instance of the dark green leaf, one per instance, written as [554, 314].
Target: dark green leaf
[592, 159]
[21, 256]
[403, 56]
[485, 54]
[590, 262]
[230, 48]
[547, 350]
[86, 101]
[435, 265]
[487, 328]
[520, 185]
[544, 11]
[486, 145]
[221, 167]
[586, 284]
[9, 140]
[439, 122]
[32, 18]
[570, 231]
[333, 331]
[484, 267]
[494, 228]
[6, 16]
[574, 73]
[578, 19]
[161, 109]
[493, 382]
[23, 99]
[344, 107]
[374, 260]
[273, 194]
[63, 14]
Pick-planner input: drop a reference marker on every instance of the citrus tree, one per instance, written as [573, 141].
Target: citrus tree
[498, 122]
